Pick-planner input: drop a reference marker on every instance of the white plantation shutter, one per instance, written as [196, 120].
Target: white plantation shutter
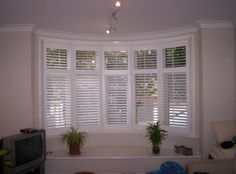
[87, 88]
[175, 100]
[175, 87]
[57, 89]
[175, 57]
[58, 101]
[116, 99]
[146, 86]
[87, 99]
[57, 59]
[146, 59]
[116, 87]
[86, 60]
[146, 98]
[116, 60]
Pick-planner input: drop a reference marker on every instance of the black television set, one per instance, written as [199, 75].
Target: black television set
[28, 152]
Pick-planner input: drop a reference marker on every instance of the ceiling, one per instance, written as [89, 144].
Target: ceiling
[135, 16]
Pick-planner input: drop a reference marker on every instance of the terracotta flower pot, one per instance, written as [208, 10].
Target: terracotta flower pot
[74, 148]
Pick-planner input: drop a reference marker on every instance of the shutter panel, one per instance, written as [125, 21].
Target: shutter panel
[146, 98]
[146, 86]
[175, 100]
[175, 57]
[87, 99]
[85, 60]
[57, 88]
[146, 59]
[116, 60]
[58, 101]
[57, 59]
[116, 99]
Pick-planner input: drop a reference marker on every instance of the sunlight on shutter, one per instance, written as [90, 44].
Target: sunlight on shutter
[116, 99]
[58, 98]
[175, 100]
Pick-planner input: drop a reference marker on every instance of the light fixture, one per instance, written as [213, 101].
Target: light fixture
[108, 31]
[118, 4]
[111, 28]
[113, 18]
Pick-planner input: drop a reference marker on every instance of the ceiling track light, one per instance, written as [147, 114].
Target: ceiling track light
[113, 17]
[111, 28]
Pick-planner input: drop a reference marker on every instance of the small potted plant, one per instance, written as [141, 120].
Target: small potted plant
[5, 163]
[74, 140]
[155, 136]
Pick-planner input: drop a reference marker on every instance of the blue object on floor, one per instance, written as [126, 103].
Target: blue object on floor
[171, 167]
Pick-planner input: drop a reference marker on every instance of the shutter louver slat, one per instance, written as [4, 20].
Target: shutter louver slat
[87, 99]
[116, 99]
[175, 100]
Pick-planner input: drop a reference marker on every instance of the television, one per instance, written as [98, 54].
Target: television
[28, 152]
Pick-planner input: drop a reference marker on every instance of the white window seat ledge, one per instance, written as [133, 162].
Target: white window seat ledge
[112, 160]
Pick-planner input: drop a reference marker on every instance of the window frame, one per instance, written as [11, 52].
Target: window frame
[159, 44]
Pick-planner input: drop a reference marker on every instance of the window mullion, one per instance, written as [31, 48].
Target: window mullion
[73, 77]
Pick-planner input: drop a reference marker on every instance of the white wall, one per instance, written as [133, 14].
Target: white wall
[218, 80]
[15, 82]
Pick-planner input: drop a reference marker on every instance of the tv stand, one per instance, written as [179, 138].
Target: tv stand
[39, 169]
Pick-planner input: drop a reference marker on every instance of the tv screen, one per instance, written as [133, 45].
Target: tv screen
[28, 149]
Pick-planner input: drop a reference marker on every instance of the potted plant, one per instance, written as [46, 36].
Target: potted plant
[155, 136]
[5, 163]
[74, 140]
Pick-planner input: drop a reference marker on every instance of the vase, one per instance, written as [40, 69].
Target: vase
[155, 149]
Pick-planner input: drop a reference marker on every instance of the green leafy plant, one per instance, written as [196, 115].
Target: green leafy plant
[5, 163]
[74, 139]
[155, 135]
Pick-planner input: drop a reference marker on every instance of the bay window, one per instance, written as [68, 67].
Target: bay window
[110, 88]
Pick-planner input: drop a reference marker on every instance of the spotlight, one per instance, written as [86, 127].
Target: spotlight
[108, 31]
[118, 4]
